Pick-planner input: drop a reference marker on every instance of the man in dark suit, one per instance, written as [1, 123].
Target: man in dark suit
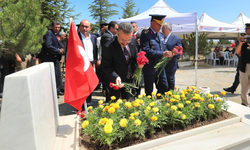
[89, 43]
[152, 43]
[136, 35]
[170, 41]
[119, 60]
[51, 48]
[112, 31]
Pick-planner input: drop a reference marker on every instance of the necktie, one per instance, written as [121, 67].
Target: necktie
[127, 56]
[134, 36]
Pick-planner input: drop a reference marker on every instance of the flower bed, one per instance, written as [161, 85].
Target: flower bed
[123, 120]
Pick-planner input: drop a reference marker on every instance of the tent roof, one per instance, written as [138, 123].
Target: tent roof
[241, 20]
[174, 17]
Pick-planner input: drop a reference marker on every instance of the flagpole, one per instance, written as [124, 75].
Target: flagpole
[86, 108]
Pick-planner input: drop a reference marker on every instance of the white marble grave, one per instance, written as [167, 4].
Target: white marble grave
[29, 115]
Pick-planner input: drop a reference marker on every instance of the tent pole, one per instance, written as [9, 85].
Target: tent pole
[196, 50]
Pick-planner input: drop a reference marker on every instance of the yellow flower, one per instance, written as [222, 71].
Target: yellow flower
[113, 97]
[177, 96]
[208, 95]
[182, 93]
[136, 113]
[178, 112]
[183, 96]
[128, 104]
[148, 107]
[116, 106]
[222, 93]
[184, 90]
[189, 90]
[180, 105]
[106, 108]
[132, 118]
[219, 100]
[90, 108]
[100, 102]
[101, 106]
[85, 124]
[110, 122]
[119, 101]
[186, 93]
[146, 111]
[144, 94]
[198, 91]
[152, 104]
[153, 93]
[195, 98]
[123, 122]
[108, 128]
[216, 95]
[139, 96]
[197, 105]
[201, 99]
[155, 109]
[103, 121]
[193, 87]
[111, 110]
[173, 107]
[166, 112]
[132, 114]
[183, 117]
[158, 94]
[137, 122]
[136, 104]
[172, 100]
[211, 106]
[148, 96]
[188, 102]
[153, 118]
[167, 104]
[175, 87]
[187, 87]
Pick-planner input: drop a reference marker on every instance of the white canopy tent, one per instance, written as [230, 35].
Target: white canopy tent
[181, 22]
[241, 20]
[216, 29]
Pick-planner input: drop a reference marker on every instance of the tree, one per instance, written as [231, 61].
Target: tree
[101, 10]
[223, 41]
[128, 10]
[57, 10]
[20, 27]
[189, 44]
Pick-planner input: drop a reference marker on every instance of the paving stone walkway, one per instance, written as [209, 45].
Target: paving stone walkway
[214, 77]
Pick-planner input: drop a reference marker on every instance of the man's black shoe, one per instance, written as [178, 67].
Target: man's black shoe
[229, 90]
[60, 93]
[243, 104]
[248, 94]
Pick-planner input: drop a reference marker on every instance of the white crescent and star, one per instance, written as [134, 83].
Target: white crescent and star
[85, 58]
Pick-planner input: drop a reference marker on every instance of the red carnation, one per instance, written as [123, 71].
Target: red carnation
[111, 84]
[116, 87]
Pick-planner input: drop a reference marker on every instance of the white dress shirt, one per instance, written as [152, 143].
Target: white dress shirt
[88, 46]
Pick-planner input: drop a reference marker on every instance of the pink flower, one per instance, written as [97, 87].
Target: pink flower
[79, 112]
[141, 53]
[181, 52]
[233, 45]
[111, 84]
[175, 51]
[82, 114]
[116, 87]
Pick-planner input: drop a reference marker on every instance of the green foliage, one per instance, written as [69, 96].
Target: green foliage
[57, 10]
[148, 113]
[224, 41]
[20, 28]
[101, 10]
[95, 28]
[189, 44]
[128, 10]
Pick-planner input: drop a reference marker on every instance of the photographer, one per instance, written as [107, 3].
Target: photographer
[244, 51]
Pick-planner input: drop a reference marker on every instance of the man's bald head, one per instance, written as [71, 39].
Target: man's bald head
[85, 27]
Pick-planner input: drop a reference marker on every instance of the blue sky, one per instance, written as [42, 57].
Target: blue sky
[222, 10]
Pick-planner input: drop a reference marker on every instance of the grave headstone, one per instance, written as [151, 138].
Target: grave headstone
[29, 114]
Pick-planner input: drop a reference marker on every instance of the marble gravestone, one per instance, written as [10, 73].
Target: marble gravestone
[29, 115]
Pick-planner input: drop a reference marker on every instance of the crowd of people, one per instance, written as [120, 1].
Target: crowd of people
[113, 52]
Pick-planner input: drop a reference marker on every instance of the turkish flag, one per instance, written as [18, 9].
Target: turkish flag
[80, 78]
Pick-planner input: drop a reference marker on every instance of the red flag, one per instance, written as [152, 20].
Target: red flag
[80, 78]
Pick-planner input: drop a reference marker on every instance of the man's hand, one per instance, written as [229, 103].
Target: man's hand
[168, 54]
[61, 50]
[241, 40]
[118, 81]
[98, 62]
[18, 59]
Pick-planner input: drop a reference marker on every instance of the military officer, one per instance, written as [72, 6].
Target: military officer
[152, 43]
[243, 50]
